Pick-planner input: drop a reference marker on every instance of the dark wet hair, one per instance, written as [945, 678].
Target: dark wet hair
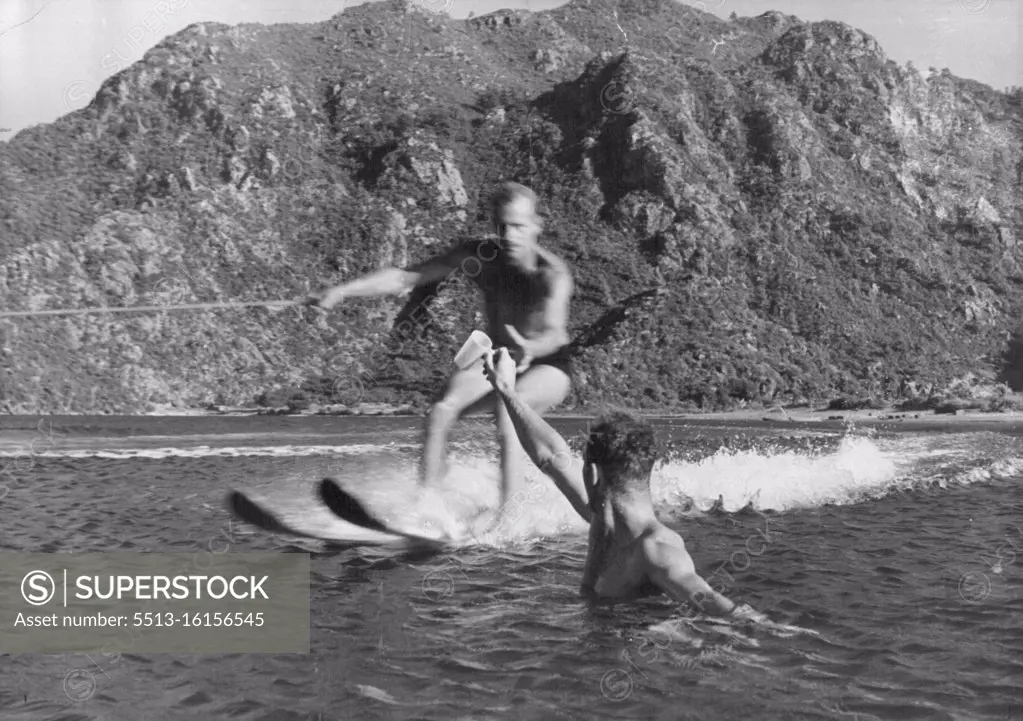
[624, 446]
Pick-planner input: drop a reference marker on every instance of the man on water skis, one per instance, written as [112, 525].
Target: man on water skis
[526, 293]
[631, 554]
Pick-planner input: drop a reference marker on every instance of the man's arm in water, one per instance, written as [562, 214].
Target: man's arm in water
[544, 445]
[671, 569]
[554, 334]
[393, 281]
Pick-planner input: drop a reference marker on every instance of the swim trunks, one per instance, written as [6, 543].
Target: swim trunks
[560, 359]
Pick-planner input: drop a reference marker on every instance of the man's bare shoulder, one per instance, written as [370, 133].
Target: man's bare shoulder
[554, 267]
[663, 546]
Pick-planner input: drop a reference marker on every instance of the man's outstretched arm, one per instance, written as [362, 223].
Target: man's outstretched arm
[391, 281]
[671, 569]
[544, 445]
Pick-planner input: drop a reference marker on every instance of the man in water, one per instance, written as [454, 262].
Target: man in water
[631, 554]
[526, 295]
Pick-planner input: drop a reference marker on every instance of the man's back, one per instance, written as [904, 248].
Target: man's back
[621, 567]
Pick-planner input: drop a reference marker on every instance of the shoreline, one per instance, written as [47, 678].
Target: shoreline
[776, 416]
[886, 417]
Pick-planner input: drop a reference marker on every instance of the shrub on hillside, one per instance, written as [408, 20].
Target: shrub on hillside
[277, 397]
[1005, 404]
[919, 403]
[1012, 362]
[954, 405]
[848, 403]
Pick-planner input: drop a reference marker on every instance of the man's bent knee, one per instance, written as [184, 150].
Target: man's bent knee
[443, 410]
[448, 409]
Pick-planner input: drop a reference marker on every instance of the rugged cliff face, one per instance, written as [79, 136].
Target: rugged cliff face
[758, 211]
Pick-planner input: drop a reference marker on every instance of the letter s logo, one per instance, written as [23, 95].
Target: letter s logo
[40, 587]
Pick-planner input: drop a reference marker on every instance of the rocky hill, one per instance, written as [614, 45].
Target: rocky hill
[759, 210]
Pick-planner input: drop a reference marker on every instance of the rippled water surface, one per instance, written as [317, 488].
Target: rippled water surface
[902, 550]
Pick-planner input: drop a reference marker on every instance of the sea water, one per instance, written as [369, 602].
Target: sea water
[901, 549]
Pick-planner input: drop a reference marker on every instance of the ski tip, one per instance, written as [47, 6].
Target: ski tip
[236, 501]
[245, 509]
[344, 505]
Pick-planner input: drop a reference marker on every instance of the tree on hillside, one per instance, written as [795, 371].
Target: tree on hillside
[1012, 362]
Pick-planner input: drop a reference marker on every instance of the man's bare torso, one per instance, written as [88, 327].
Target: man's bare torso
[517, 297]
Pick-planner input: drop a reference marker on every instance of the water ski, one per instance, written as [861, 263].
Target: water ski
[245, 509]
[347, 507]
[335, 531]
